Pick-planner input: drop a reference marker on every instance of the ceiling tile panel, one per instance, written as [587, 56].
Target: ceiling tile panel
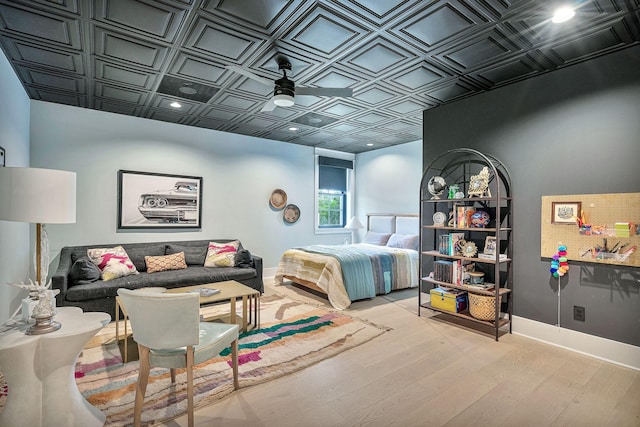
[324, 32]
[483, 49]
[209, 38]
[119, 47]
[379, 56]
[52, 81]
[399, 57]
[190, 67]
[47, 56]
[117, 107]
[440, 22]
[166, 116]
[32, 23]
[264, 14]
[67, 98]
[120, 75]
[375, 95]
[146, 17]
[418, 76]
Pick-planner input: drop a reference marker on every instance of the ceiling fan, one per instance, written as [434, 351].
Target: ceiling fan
[285, 89]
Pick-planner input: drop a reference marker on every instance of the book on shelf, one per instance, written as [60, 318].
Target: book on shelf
[463, 215]
[492, 256]
[480, 287]
[454, 238]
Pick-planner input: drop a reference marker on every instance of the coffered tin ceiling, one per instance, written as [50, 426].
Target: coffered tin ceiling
[400, 57]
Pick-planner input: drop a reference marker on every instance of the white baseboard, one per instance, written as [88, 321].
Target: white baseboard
[269, 273]
[601, 348]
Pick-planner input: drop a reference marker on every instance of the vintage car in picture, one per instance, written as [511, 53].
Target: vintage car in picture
[178, 205]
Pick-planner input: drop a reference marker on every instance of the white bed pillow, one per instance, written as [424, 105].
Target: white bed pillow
[403, 241]
[374, 238]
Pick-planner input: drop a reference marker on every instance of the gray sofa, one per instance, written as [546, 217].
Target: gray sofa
[98, 295]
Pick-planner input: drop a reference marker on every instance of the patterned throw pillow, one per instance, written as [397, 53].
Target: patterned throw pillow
[165, 262]
[222, 254]
[112, 262]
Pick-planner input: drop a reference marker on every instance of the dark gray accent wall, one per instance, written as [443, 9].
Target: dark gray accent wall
[572, 131]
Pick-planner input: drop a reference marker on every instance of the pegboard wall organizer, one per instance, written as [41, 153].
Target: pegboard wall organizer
[605, 231]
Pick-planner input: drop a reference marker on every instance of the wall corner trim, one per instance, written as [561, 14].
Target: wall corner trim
[600, 348]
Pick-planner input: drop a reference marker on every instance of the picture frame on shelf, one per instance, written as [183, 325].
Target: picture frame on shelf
[153, 200]
[489, 245]
[565, 212]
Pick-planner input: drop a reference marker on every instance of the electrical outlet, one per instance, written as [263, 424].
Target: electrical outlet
[578, 313]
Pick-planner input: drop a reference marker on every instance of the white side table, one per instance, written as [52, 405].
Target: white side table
[40, 371]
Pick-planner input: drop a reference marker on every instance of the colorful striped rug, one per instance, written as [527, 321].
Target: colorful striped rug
[293, 335]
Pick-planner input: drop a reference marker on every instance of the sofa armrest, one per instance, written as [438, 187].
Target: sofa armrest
[60, 279]
[257, 264]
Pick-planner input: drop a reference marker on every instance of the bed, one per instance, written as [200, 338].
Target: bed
[386, 261]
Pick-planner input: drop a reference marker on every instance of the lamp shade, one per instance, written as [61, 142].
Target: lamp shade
[36, 195]
[353, 224]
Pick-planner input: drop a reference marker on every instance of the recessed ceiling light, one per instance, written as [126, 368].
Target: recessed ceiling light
[562, 14]
[370, 144]
[293, 128]
[175, 104]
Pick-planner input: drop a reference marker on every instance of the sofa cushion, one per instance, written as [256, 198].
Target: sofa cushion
[83, 271]
[112, 262]
[165, 262]
[222, 254]
[137, 253]
[193, 255]
[243, 259]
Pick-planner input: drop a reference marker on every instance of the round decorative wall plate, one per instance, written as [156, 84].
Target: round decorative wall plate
[291, 214]
[439, 218]
[278, 199]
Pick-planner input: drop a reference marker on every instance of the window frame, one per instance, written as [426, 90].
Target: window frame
[348, 198]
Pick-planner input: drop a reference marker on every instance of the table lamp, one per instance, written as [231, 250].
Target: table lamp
[353, 224]
[39, 196]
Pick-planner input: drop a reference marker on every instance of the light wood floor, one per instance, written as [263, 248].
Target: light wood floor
[426, 372]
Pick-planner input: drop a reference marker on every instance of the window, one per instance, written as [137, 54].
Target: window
[334, 177]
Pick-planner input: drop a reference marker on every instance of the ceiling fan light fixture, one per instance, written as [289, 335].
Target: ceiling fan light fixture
[283, 100]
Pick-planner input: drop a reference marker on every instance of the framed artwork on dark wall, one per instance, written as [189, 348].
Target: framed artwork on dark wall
[155, 200]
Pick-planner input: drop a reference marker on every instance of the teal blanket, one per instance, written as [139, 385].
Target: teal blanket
[357, 268]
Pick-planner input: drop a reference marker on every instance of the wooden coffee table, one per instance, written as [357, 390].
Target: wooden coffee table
[230, 290]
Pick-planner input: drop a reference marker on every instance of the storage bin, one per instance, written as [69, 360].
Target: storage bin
[482, 306]
[454, 301]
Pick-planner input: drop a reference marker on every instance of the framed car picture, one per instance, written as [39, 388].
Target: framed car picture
[154, 200]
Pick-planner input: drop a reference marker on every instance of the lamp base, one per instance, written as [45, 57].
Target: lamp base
[43, 325]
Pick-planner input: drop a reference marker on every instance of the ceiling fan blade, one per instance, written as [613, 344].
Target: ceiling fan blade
[324, 91]
[249, 74]
[269, 106]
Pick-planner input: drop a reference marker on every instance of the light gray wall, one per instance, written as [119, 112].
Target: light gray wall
[239, 173]
[388, 181]
[14, 137]
[573, 131]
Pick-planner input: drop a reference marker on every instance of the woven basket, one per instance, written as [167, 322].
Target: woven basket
[482, 307]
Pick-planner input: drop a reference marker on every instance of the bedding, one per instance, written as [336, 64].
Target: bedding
[348, 273]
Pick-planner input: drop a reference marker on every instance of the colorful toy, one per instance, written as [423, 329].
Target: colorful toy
[559, 262]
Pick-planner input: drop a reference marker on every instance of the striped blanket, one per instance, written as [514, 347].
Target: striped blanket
[348, 273]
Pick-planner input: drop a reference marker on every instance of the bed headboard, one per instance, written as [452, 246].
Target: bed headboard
[394, 223]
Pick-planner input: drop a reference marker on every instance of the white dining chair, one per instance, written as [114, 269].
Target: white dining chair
[169, 334]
